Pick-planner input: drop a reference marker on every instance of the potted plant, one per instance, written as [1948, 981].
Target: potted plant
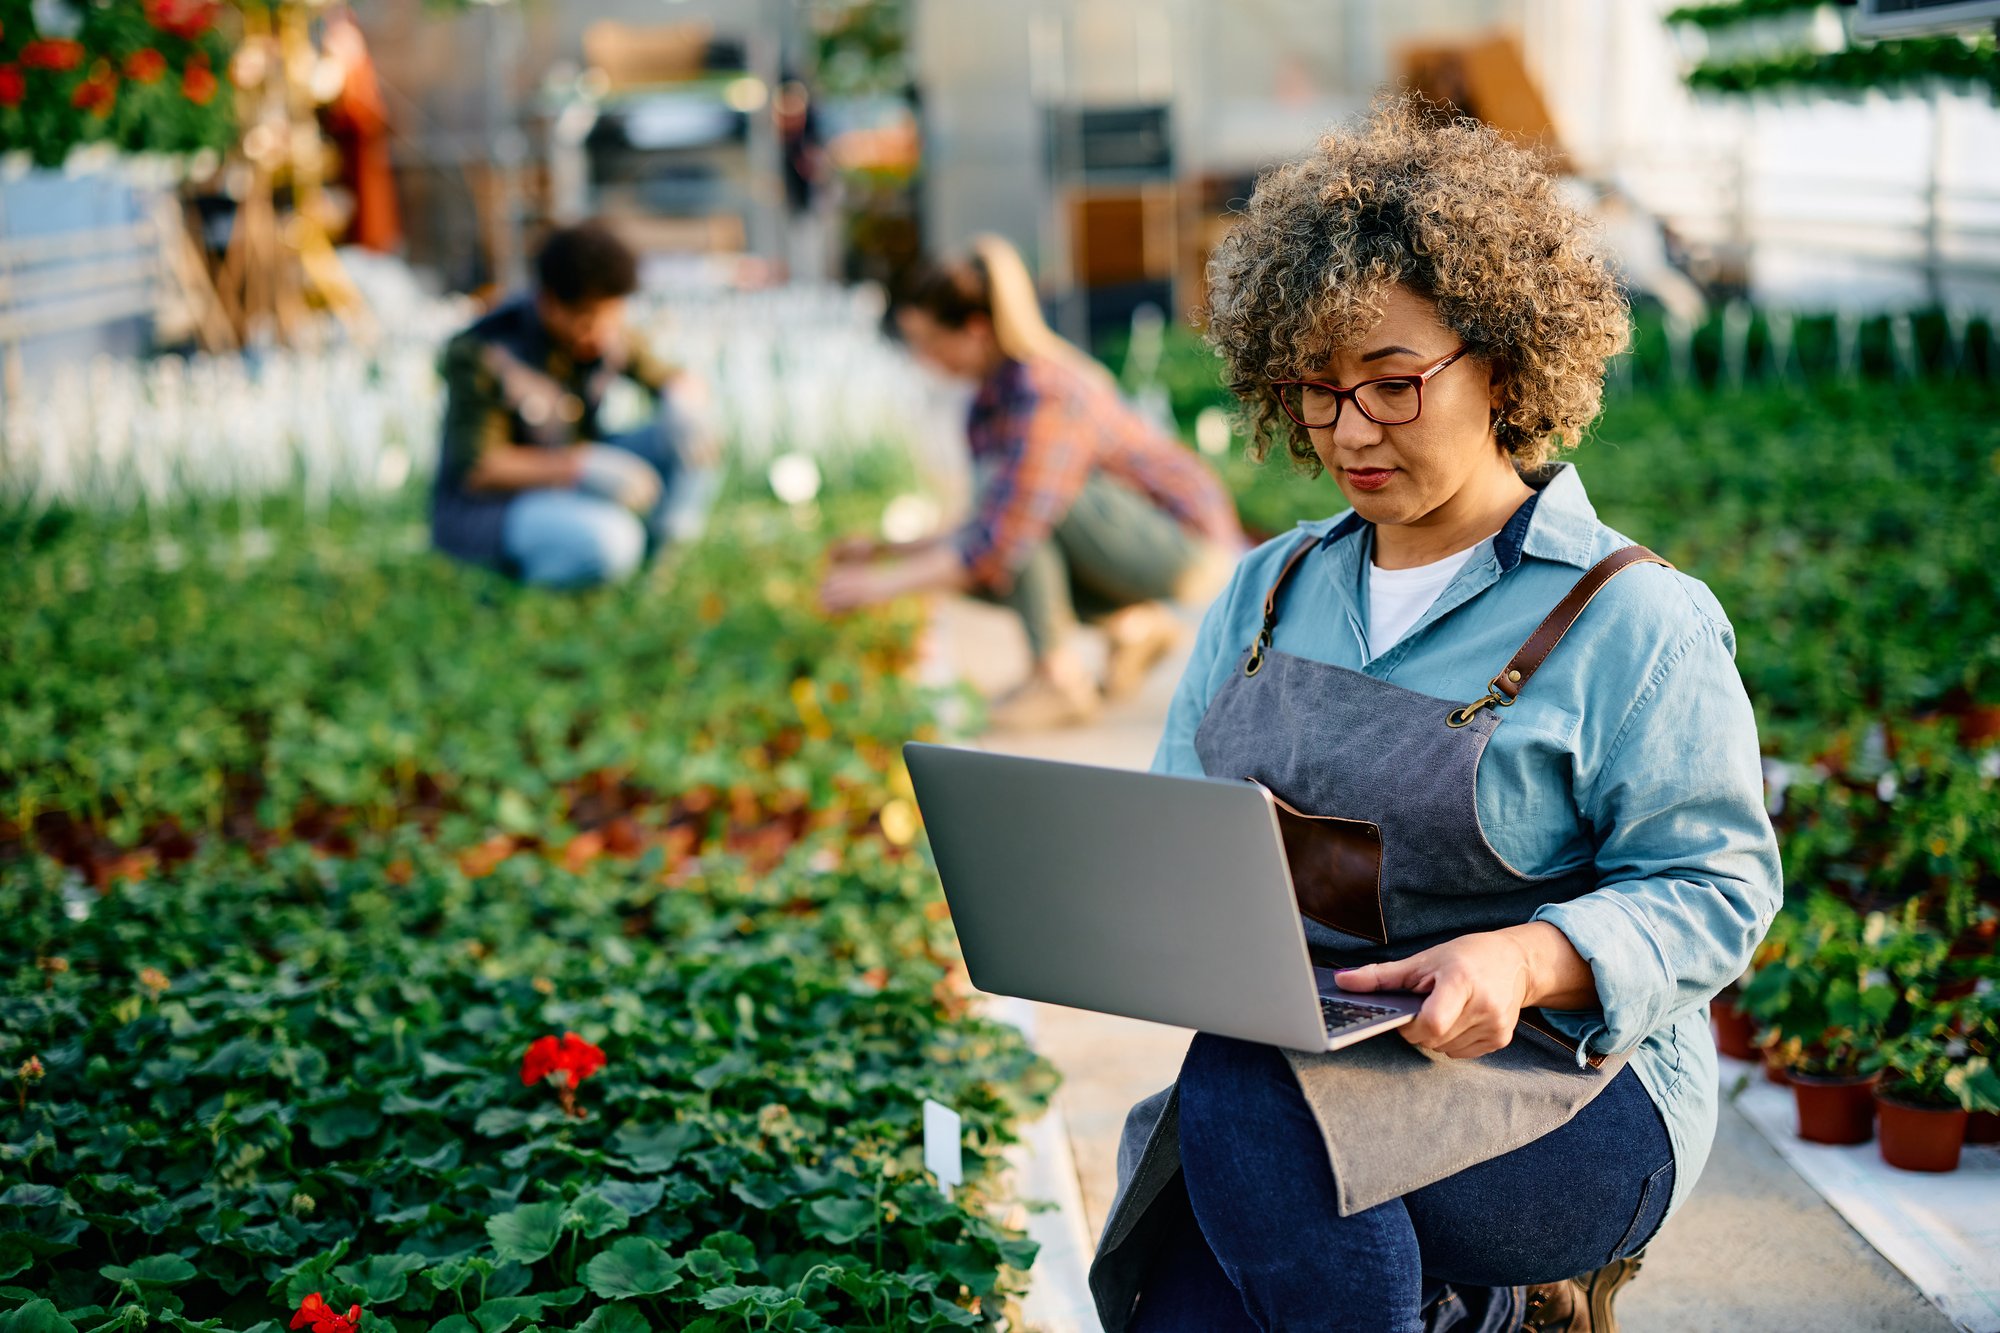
[1735, 1024]
[1827, 1002]
[1977, 1077]
[1735, 1029]
[1745, 1014]
[1977, 1082]
[1922, 1115]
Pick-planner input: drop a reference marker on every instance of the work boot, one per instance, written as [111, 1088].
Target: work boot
[1139, 637]
[1044, 704]
[1580, 1304]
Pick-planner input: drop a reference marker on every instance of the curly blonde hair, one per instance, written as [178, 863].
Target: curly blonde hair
[1446, 207]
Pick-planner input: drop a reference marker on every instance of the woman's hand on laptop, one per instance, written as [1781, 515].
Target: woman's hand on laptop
[1477, 985]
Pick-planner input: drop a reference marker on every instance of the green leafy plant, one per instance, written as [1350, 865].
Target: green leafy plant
[1825, 1001]
[483, 959]
[1974, 1079]
[1919, 1060]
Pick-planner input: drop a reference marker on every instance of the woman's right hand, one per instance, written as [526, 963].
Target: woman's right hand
[851, 550]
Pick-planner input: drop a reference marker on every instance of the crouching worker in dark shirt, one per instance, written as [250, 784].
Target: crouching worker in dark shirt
[529, 481]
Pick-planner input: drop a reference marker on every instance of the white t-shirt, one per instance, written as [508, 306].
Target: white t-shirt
[1397, 598]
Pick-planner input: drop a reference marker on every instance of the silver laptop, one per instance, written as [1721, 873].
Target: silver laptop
[1163, 898]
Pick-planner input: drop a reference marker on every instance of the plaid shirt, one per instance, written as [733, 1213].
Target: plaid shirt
[1045, 427]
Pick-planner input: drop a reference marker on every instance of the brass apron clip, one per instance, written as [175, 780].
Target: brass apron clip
[1256, 662]
[1494, 696]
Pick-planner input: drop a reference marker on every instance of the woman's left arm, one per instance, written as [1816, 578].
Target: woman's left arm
[1688, 879]
[1687, 862]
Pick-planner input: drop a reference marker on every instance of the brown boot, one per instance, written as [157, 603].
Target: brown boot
[1580, 1304]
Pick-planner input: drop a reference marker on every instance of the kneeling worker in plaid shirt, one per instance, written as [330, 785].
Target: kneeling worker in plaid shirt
[1083, 507]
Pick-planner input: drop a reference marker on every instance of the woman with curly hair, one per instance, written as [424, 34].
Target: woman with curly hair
[1084, 507]
[1515, 768]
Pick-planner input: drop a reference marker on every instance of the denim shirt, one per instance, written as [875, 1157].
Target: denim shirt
[1632, 751]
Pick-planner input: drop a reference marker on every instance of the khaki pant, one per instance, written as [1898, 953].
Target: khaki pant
[1113, 549]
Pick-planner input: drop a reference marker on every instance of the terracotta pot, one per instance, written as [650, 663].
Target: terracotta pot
[1978, 941]
[1733, 1029]
[1983, 1127]
[1978, 724]
[1835, 1109]
[1946, 992]
[1916, 1137]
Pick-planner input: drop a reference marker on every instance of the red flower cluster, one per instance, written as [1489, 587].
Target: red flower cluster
[96, 94]
[146, 66]
[13, 85]
[186, 19]
[198, 83]
[56, 53]
[572, 1055]
[317, 1313]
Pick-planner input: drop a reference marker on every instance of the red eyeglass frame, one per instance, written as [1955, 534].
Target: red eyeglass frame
[1341, 396]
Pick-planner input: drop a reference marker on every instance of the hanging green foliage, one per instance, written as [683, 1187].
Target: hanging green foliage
[859, 46]
[1914, 63]
[1908, 64]
[1736, 11]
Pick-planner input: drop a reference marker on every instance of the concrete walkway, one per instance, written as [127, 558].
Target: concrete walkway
[1754, 1250]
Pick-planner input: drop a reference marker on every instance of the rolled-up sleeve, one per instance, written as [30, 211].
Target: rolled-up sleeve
[1687, 860]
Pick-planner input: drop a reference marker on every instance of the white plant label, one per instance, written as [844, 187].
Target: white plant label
[944, 1154]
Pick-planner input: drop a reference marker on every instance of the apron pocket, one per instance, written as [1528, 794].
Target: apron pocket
[1336, 869]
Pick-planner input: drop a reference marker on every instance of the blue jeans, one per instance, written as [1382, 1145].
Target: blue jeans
[561, 538]
[1258, 1243]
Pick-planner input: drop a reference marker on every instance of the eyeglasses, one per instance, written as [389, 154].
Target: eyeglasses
[1392, 400]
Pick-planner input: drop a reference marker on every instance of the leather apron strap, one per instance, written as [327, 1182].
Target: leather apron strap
[1505, 687]
[1256, 659]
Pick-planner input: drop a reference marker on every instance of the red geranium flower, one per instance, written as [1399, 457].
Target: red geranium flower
[57, 53]
[572, 1055]
[13, 85]
[187, 19]
[145, 65]
[580, 1058]
[540, 1061]
[320, 1316]
[198, 83]
[95, 94]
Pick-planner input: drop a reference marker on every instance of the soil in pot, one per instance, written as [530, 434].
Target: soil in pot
[1919, 1137]
[1733, 1029]
[1835, 1109]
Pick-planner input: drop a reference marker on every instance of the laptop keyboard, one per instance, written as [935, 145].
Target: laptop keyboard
[1346, 1013]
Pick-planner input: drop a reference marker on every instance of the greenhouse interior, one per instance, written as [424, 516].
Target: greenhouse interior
[774, 664]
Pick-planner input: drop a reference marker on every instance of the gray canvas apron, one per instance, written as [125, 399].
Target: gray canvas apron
[1375, 786]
